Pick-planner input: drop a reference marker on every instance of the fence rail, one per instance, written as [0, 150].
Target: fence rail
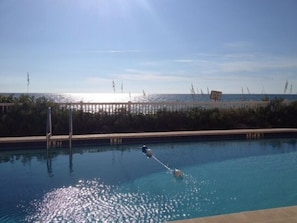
[153, 107]
[6, 107]
[148, 107]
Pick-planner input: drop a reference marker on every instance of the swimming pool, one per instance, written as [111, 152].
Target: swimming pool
[119, 184]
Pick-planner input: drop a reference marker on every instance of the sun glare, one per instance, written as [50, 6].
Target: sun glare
[102, 97]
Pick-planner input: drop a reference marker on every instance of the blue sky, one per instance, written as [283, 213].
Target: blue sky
[159, 46]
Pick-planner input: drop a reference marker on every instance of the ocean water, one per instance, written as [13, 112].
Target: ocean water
[125, 97]
[119, 184]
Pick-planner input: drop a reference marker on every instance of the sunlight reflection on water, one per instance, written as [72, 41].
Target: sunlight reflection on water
[101, 97]
[93, 201]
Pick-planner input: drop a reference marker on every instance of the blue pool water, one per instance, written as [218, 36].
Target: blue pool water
[119, 184]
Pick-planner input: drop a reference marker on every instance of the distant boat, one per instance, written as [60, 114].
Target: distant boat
[143, 93]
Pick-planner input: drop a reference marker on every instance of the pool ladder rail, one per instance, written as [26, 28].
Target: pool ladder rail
[49, 131]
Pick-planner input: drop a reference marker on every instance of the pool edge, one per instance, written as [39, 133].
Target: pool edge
[286, 214]
[140, 137]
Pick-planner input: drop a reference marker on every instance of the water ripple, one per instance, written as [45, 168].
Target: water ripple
[93, 201]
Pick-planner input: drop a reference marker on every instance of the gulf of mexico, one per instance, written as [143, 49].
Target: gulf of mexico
[133, 97]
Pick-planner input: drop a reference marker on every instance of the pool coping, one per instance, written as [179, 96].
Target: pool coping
[274, 215]
[144, 137]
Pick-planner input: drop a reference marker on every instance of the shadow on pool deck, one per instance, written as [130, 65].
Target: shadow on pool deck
[275, 215]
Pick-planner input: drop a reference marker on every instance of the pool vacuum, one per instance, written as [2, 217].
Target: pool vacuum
[149, 154]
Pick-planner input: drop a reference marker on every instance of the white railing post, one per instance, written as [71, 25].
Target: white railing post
[152, 107]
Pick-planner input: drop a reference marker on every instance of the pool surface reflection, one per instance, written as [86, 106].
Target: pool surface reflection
[119, 184]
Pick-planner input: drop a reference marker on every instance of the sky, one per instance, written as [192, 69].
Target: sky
[155, 46]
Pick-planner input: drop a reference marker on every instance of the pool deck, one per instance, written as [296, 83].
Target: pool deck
[275, 215]
[118, 138]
